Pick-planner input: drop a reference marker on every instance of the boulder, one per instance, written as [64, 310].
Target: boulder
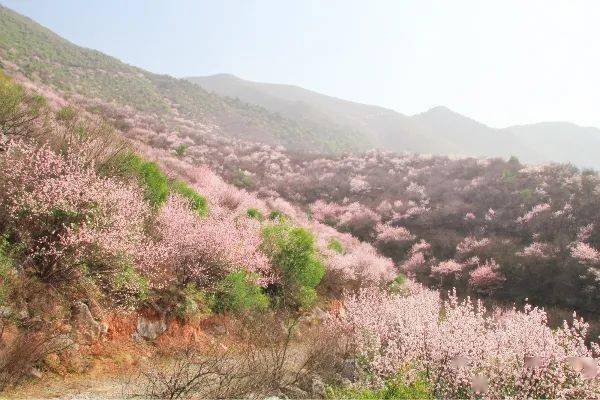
[150, 328]
[87, 328]
[318, 387]
[349, 370]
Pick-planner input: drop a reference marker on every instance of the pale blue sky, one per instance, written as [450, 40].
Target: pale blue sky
[501, 62]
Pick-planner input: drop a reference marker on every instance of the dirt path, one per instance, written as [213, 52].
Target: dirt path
[87, 386]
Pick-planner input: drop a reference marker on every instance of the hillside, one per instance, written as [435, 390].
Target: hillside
[561, 142]
[437, 131]
[285, 115]
[147, 252]
[34, 51]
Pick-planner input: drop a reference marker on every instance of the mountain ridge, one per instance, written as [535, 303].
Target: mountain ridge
[438, 130]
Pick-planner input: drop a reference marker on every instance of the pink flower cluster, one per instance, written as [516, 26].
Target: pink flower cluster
[63, 209]
[538, 209]
[447, 268]
[466, 350]
[386, 233]
[363, 265]
[471, 244]
[538, 250]
[486, 277]
[200, 250]
[585, 253]
[354, 217]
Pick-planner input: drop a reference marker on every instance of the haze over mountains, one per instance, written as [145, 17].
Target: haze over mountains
[438, 130]
[294, 117]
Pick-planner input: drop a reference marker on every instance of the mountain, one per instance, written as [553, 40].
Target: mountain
[297, 118]
[438, 130]
[29, 49]
[561, 142]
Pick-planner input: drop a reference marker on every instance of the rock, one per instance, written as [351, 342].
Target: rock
[217, 328]
[294, 392]
[150, 328]
[319, 314]
[35, 373]
[8, 311]
[63, 341]
[86, 326]
[136, 337]
[349, 370]
[318, 387]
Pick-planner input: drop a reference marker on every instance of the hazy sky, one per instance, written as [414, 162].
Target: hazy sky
[502, 62]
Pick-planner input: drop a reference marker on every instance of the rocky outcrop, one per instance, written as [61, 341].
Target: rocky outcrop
[86, 327]
[150, 328]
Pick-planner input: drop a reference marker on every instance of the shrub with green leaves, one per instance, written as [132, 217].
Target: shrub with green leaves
[335, 245]
[397, 285]
[18, 109]
[255, 214]
[293, 251]
[193, 302]
[238, 293]
[198, 202]
[243, 180]
[180, 150]
[66, 114]
[6, 268]
[277, 216]
[129, 285]
[154, 182]
[396, 388]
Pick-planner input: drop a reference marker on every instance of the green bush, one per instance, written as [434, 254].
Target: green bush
[396, 388]
[243, 180]
[197, 201]
[6, 268]
[336, 246]
[133, 286]
[193, 302]
[255, 213]
[397, 285]
[238, 293]
[277, 216]
[66, 114]
[151, 178]
[181, 149]
[508, 176]
[155, 183]
[293, 251]
[18, 109]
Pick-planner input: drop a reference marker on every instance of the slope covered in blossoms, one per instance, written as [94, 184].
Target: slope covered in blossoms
[143, 219]
[486, 226]
[131, 210]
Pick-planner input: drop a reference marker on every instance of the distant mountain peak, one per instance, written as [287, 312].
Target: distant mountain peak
[440, 109]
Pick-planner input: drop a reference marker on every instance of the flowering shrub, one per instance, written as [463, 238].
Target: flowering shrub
[66, 217]
[464, 350]
[361, 266]
[189, 249]
[486, 277]
[353, 218]
[447, 268]
[585, 253]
